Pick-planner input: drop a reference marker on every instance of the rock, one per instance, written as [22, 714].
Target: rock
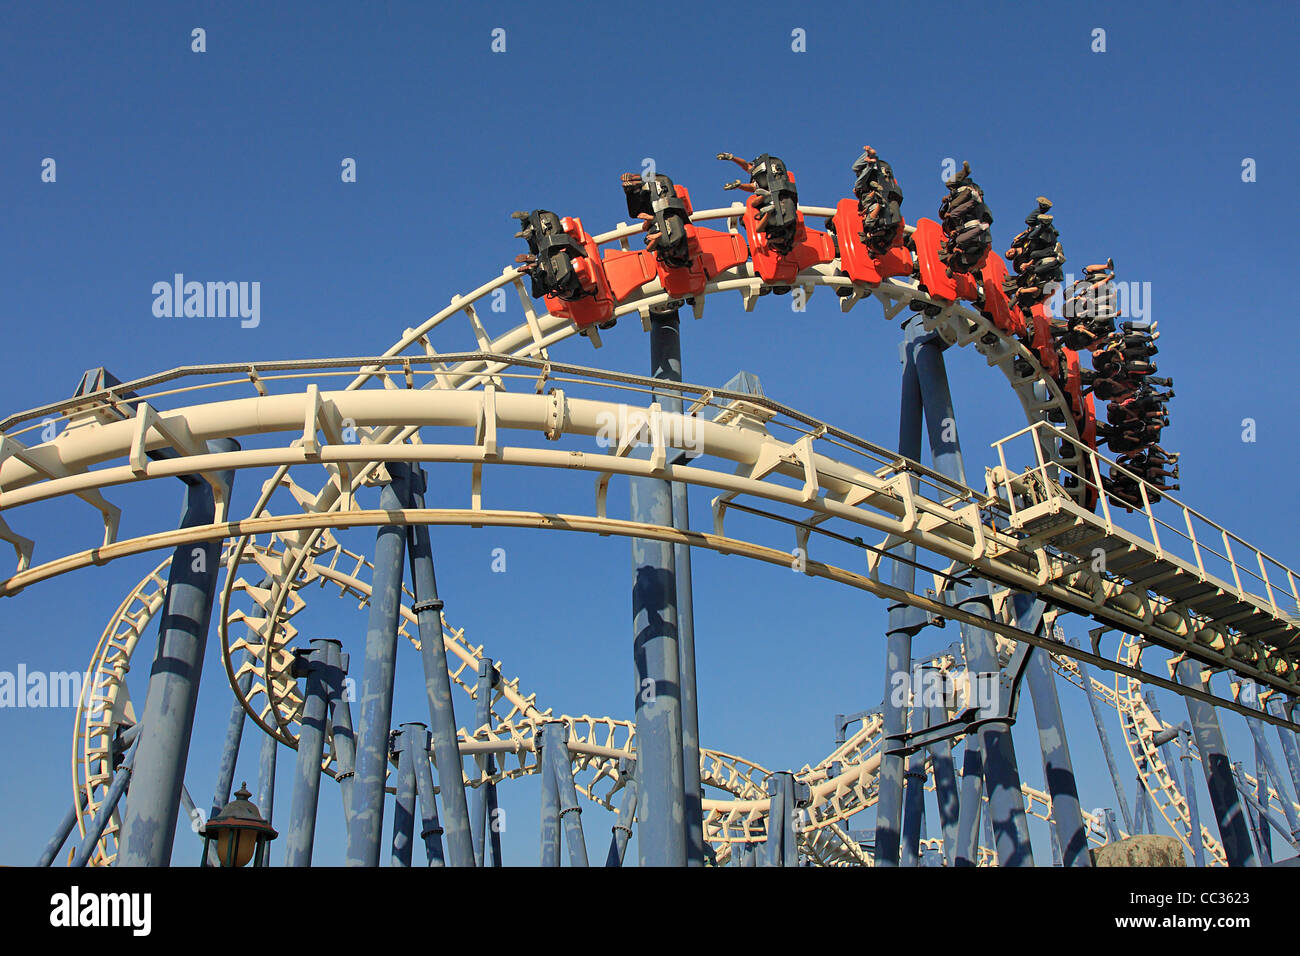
[1142, 850]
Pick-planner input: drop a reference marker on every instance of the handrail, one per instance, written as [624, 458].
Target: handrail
[1044, 432]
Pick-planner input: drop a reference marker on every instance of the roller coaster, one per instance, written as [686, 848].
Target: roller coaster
[1057, 534]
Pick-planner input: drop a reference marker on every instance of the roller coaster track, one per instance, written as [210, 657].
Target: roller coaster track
[822, 838]
[599, 745]
[1023, 531]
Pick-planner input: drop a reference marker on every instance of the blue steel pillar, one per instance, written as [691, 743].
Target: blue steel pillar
[622, 829]
[60, 836]
[1058, 769]
[1266, 766]
[487, 680]
[914, 792]
[1290, 747]
[1006, 809]
[550, 822]
[437, 683]
[342, 738]
[406, 747]
[1253, 820]
[1261, 798]
[149, 824]
[494, 825]
[1001, 775]
[430, 828]
[661, 834]
[777, 814]
[1197, 839]
[903, 623]
[1071, 838]
[1085, 678]
[365, 827]
[945, 788]
[266, 777]
[972, 804]
[560, 770]
[666, 364]
[796, 798]
[121, 780]
[1228, 811]
[313, 664]
[1112, 828]
[230, 752]
[694, 795]
[1141, 816]
[988, 835]
[1164, 738]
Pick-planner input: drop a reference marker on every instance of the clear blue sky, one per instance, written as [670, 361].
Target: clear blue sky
[225, 165]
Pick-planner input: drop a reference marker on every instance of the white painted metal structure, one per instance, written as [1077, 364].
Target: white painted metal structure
[1023, 531]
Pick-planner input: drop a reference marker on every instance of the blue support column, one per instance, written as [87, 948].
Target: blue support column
[365, 826]
[1058, 769]
[404, 803]
[1112, 828]
[121, 780]
[686, 670]
[622, 829]
[661, 820]
[1268, 766]
[1085, 678]
[437, 682]
[1165, 738]
[1228, 811]
[60, 836]
[342, 738]
[561, 773]
[1261, 798]
[794, 799]
[1253, 820]
[972, 803]
[914, 793]
[774, 852]
[1197, 839]
[312, 664]
[550, 822]
[494, 827]
[945, 789]
[266, 777]
[1006, 808]
[149, 824]
[1001, 775]
[230, 752]
[1139, 810]
[903, 623]
[430, 828]
[666, 364]
[1289, 740]
[988, 834]
[487, 680]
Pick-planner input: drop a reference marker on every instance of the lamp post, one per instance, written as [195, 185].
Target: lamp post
[239, 832]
